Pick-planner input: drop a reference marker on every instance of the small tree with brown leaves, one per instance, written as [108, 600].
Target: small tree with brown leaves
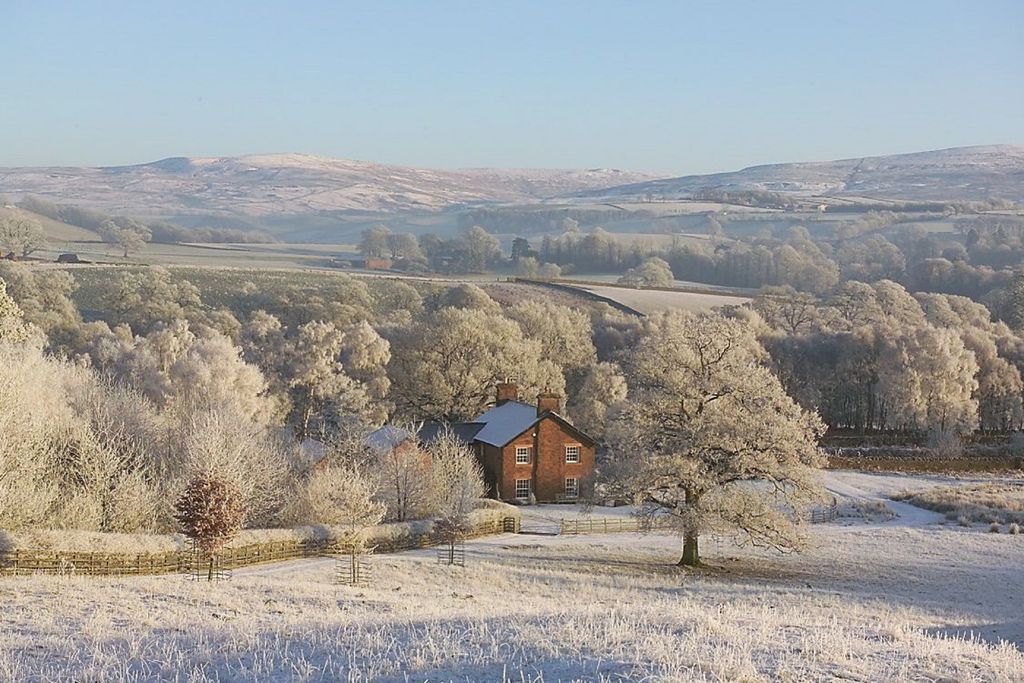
[210, 513]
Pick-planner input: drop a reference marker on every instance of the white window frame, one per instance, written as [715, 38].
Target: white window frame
[579, 453]
[575, 491]
[528, 450]
[529, 489]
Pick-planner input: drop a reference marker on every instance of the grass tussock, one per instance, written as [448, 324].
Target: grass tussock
[988, 503]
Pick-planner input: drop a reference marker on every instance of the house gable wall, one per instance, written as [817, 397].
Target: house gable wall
[547, 469]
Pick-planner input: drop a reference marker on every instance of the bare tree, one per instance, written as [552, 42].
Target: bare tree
[405, 474]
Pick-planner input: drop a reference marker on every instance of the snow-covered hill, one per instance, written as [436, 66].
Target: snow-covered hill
[960, 173]
[261, 185]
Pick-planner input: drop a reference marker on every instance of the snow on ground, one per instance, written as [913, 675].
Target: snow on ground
[891, 601]
[649, 301]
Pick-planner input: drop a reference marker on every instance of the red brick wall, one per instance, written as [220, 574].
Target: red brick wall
[490, 459]
[547, 469]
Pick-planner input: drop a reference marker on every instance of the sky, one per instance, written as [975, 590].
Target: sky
[670, 87]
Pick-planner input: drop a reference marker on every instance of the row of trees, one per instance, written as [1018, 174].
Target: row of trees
[155, 230]
[875, 357]
[473, 251]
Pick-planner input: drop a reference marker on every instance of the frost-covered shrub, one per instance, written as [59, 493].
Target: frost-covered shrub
[1014, 529]
[340, 495]
[1000, 502]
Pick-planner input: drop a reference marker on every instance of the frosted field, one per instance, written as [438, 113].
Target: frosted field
[902, 600]
[651, 300]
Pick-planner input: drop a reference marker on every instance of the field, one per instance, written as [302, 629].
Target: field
[903, 600]
[649, 301]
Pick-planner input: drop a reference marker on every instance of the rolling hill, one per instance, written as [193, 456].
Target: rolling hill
[293, 184]
[957, 174]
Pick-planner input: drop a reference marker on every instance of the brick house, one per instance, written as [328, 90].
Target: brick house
[528, 452]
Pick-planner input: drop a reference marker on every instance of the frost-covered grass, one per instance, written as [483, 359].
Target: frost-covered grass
[999, 502]
[654, 300]
[876, 602]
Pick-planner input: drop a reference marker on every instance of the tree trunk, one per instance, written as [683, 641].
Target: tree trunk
[691, 554]
[209, 575]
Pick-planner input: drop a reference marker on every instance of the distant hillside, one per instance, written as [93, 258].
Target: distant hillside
[293, 184]
[957, 174]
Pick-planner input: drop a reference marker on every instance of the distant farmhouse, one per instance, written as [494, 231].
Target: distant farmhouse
[529, 453]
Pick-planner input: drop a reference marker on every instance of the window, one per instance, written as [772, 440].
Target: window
[572, 453]
[522, 489]
[572, 487]
[523, 455]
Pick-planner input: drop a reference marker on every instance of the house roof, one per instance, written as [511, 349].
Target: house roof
[465, 431]
[387, 438]
[505, 421]
[495, 427]
[509, 419]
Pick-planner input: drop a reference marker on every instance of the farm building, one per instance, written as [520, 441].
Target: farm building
[529, 453]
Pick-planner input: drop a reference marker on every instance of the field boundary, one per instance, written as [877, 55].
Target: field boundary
[580, 292]
[67, 563]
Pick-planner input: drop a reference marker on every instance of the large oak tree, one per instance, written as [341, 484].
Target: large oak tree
[709, 441]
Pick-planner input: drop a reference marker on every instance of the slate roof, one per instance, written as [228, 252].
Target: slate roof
[506, 421]
[387, 438]
[496, 427]
[466, 431]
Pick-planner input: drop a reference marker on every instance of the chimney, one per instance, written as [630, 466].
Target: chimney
[506, 391]
[546, 400]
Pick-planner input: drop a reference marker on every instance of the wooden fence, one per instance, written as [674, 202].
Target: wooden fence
[829, 513]
[610, 525]
[14, 562]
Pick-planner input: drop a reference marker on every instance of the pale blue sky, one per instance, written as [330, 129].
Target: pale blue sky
[661, 86]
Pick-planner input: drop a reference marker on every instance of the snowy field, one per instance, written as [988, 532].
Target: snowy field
[907, 599]
[653, 300]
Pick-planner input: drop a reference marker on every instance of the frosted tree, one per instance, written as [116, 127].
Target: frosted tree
[242, 453]
[602, 392]
[21, 236]
[178, 369]
[373, 242]
[13, 328]
[32, 413]
[653, 272]
[458, 486]
[127, 234]
[709, 440]
[464, 296]
[927, 380]
[105, 472]
[337, 375]
[446, 366]
[564, 333]
[44, 297]
[786, 309]
[150, 297]
[339, 494]
[405, 474]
